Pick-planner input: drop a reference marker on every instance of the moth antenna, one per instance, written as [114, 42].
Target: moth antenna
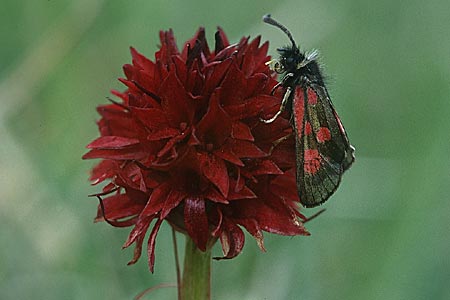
[268, 19]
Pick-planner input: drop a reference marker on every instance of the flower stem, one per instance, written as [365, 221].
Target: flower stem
[196, 284]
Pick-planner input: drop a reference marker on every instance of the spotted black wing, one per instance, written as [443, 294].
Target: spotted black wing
[322, 146]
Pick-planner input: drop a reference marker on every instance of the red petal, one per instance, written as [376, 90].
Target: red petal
[104, 170]
[198, 38]
[213, 195]
[145, 85]
[137, 250]
[256, 84]
[217, 230]
[223, 40]
[227, 52]
[215, 126]
[261, 56]
[193, 139]
[112, 142]
[173, 199]
[240, 180]
[266, 167]
[253, 228]
[131, 153]
[118, 122]
[244, 193]
[109, 188]
[120, 206]
[139, 230]
[175, 102]
[170, 145]
[227, 154]
[156, 201]
[275, 216]
[151, 245]
[141, 61]
[282, 186]
[249, 63]
[281, 225]
[196, 221]
[216, 75]
[152, 118]
[215, 170]
[245, 149]
[168, 47]
[241, 131]
[181, 69]
[233, 86]
[232, 239]
[253, 107]
[121, 95]
[163, 134]
[129, 71]
[195, 82]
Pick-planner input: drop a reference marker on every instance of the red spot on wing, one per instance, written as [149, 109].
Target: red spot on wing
[311, 161]
[308, 129]
[298, 111]
[323, 135]
[312, 97]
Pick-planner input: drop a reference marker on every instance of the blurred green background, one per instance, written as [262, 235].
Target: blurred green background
[385, 234]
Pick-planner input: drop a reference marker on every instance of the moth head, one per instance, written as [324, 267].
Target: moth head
[290, 56]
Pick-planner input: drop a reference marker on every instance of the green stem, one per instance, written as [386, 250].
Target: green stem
[196, 284]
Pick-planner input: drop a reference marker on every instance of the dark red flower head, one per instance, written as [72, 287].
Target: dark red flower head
[186, 145]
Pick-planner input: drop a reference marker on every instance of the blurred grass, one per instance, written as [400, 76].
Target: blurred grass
[385, 232]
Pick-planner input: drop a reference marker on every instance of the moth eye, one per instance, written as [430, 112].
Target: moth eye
[279, 67]
[275, 65]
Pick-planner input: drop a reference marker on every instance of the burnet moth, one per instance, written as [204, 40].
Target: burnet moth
[322, 147]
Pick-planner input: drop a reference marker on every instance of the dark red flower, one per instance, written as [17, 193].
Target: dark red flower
[186, 145]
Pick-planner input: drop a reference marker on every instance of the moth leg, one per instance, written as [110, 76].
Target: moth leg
[282, 82]
[282, 106]
[272, 92]
[313, 216]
